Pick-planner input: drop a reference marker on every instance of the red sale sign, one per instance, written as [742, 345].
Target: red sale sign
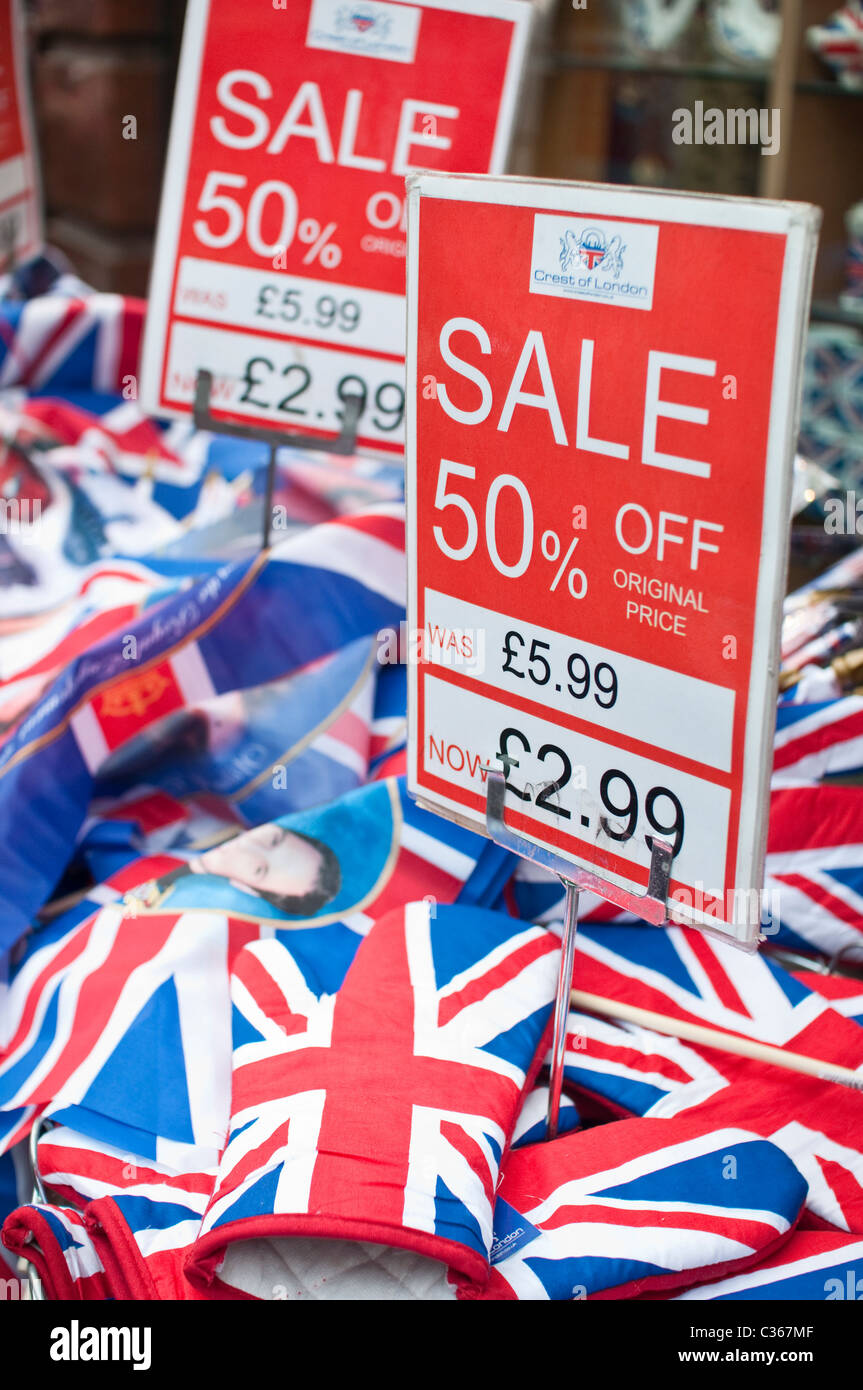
[602, 399]
[20, 202]
[280, 258]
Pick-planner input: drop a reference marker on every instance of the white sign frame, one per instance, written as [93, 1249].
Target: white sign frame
[800, 223]
[156, 348]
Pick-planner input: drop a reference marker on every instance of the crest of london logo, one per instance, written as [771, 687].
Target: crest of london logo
[593, 250]
[362, 20]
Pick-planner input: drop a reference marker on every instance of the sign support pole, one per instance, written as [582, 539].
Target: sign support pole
[40, 1124]
[651, 907]
[274, 439]
[561, 1005]
[7, 250]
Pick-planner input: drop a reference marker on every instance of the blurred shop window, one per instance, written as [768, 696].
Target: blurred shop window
[618, 72]
[103, 79]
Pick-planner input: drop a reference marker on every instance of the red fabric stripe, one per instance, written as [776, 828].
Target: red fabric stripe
[98, 995]
[827, 736]
[149, 812]
[384, 528]
[92, 1163]
[82, 638]
[818, 894]
[352, 731]
[749, 1231]
[396, 765]
[72, 949]
[814, 818]
[603, 912]
[73, 308]
[413, 877]
[627, 1057]
[469, 1149]
[829, 986]
[491, 980]
[240, 934]
[706, 956]
[142, 871]
[255, 1159]
[844, 1186]
[133, 327]
[266, 993]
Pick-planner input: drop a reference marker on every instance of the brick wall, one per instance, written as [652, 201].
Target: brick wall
[103, 78]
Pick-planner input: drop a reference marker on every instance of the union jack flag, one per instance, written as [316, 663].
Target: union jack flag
[80, 1170]
[120, 440]
[118, 1248]
[110, 595]
[147, 1214]
[839, 41]
[112, 999]
[643, 1204]
[381, 1113]
[679, 972]
[389, 722]
[818, 740]
[244, 757]
[815, 1123]
[844, 993]
[626, 1070]
[188, 649]
[65, 342]
[114, 987]
[815, 867]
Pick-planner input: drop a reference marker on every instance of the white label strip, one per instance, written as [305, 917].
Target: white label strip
[633, 794]
[267, 379]
[618, 693]
[279, 304]
[13, 178]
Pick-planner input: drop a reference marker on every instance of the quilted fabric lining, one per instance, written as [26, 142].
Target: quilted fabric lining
[332, 1269]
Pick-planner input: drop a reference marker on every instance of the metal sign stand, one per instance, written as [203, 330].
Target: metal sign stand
[40, 1124]
[8, 240]
[274, 439]
[652, 907]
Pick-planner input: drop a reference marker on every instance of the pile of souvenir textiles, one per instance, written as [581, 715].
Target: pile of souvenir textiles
[269, 1030]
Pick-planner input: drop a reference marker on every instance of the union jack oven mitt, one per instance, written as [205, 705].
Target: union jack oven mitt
[67, 1258]
[378, 1114]
[812, 1265]
[126, 1229]
[637, 1205]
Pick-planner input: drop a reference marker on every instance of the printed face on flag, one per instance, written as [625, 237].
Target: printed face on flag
[293, 872]
[599, 470]
[280, 262]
